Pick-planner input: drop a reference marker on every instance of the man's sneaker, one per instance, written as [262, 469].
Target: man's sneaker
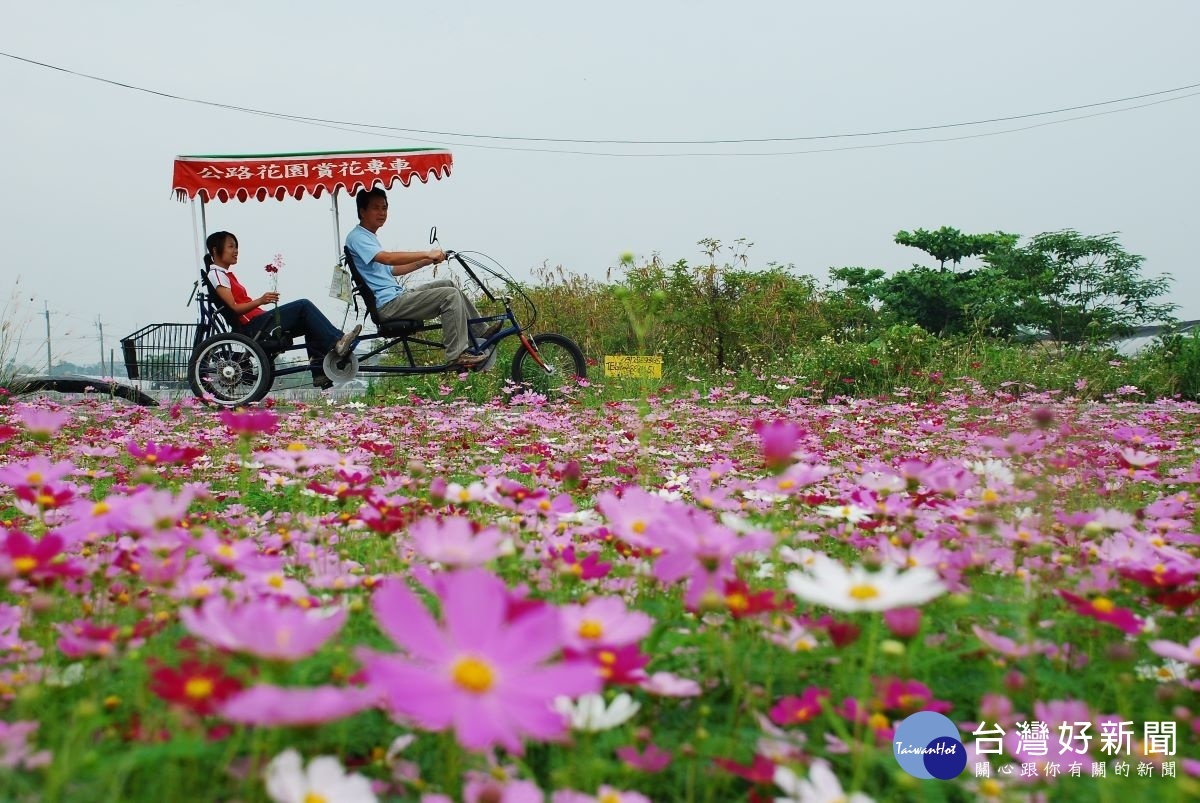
[492, 329]
[469, 362]
[491, 355]
[346, 341]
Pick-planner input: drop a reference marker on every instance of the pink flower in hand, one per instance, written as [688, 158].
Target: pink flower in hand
[491, 678]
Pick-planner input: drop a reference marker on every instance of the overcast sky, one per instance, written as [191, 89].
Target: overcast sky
[91, 229]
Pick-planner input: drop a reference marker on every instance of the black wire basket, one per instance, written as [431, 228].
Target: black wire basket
[160, 352]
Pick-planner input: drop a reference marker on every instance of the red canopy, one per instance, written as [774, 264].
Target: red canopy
[282, 174]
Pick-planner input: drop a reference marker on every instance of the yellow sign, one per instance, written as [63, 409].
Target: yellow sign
[635, 366]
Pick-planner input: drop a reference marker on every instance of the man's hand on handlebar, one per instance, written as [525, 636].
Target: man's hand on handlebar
[436, 255]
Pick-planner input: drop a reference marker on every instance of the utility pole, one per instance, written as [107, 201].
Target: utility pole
[100, 326]
[49, 361]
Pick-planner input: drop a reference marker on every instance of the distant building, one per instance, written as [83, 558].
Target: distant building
[1143, 336]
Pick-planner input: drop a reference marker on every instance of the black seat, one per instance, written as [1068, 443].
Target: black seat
[397, 327]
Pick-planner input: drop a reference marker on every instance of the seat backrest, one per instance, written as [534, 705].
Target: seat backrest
[231, 318]
[361, 288]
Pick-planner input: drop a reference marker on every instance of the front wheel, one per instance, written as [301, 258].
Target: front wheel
[230, 369]
[559, 363]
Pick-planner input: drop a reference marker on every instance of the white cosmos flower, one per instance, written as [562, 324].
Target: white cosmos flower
[1170, 670]
[831, 584]
[851, 513]
[993, 469]
[590, 714]
[289, 782]
[821, 786]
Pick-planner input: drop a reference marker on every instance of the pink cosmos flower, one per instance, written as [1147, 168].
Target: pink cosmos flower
[1189, 653]
[161, 453]
[650, 759]
[275, 706]
[267, 628]
[15, 749]
[490, 678]
[1008, 647]
[605, 794]
[39, 561]
[699, 548]
[40, 422]
[490, 790]
[667, 684]
[585, 566]
[792, 710]
[250, 422]
[777, 440]
[453, 541]
[34, 473]
[1102, 609]
[602, 622]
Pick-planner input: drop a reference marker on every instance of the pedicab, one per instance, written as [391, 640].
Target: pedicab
[228, 367]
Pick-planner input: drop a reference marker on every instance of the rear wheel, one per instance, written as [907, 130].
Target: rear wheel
[230, 369]
[559, 354]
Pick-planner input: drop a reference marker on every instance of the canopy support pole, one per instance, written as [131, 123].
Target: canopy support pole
[201, 236]
[337, 227]
[337, 246]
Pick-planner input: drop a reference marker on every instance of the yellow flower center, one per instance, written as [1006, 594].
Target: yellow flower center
[296, 446]
[473, 675]
[878, 722]
[226, 551]
[100, 508]
[989, 496]
[638, 526]
[24, 564]
[863, 591]
[990, 788]
[737, 602]
[590, 629]
[1103, 605]
[313, 797]
[33, 478]
[609, 797]
[198, 688]
[275, 581]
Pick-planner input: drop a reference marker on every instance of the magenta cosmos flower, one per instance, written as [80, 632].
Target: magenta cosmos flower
[488, 674]
[267, 628]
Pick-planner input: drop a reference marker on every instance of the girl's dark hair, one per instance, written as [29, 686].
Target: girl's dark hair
[215, 242]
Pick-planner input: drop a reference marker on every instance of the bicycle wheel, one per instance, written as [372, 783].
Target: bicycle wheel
[230, 369]
[563, 359]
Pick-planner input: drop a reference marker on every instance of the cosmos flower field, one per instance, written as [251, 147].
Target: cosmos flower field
[691, 596]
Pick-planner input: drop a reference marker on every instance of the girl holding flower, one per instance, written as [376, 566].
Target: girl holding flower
[299, 318]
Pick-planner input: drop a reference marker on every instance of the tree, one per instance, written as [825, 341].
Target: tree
[951, 245]
[940, 300]
[1076, 288]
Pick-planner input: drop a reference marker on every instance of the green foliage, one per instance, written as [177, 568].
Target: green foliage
[1061, 285]
[951, 245]
[1078, 288]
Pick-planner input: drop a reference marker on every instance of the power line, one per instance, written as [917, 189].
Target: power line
[359, 127]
